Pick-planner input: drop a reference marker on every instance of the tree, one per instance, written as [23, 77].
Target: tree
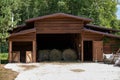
[15, 12]
[8, 19]
[8, 16]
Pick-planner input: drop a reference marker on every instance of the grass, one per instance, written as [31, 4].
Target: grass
[28, 67]
[4, 58]
[7, 74]
[77, 70]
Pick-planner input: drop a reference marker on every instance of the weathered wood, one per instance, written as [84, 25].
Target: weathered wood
[79, 45]
[60, 16]
[10, 51]
[111, 46]
[59, 26]
[82, 53]
[15, 56]
[63, 21]
[23, 32]
[28, 56]
[102, 33]
[92, 36]
[34, 51]
[25, 37]
[97, 50]
[59, 31]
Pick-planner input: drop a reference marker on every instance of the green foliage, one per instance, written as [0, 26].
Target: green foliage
[15, 12]
[4, 47]
[8, 9]
[3, 56]
[106, 40]
[102, 12]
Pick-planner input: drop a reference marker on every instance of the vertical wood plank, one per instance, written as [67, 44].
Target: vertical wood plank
[82, 53]
[79, 45]
[10, 51]
[97, 51]
[34, 51]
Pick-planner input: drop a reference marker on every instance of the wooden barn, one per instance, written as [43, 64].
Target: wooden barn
[60, 31]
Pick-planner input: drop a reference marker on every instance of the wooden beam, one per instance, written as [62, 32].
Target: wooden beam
[82, 45]
[23, 32]
[10, 51]
[34, 51]
[79, 45]
[106, 34]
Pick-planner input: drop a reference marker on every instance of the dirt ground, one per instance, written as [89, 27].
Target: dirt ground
[65, 71]
[7, 74]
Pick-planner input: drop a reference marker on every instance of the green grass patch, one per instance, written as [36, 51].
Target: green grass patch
[4, 58]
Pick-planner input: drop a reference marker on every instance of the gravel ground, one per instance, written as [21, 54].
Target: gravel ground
[65, 71]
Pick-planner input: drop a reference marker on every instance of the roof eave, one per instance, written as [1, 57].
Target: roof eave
[105, 34]
[87, 20]
[96, 26]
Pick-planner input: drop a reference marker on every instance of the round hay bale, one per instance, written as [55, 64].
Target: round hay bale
[55, 55]
[69, 55]
[43, 55]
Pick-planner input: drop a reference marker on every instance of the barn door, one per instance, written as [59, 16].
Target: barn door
[97, 50]
[16, 56]
[28, 56]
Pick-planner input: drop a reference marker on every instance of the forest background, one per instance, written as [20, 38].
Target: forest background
[15, 12]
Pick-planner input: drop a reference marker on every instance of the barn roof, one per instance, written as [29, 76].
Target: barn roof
[28, 26]
[24, 32]
[102, 33]
[96, 27]
[59, 16]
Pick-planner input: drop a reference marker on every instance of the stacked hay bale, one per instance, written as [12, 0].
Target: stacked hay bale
[43, 55]
[55, 55]
[69, 55]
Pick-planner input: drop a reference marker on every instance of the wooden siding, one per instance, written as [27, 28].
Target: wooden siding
[59, 26]
[111, 46]
[92, 36]
[97, 50]
[25, 37]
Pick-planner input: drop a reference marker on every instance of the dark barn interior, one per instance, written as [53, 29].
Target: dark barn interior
[56, 41]
[22, 47]
[88, 51]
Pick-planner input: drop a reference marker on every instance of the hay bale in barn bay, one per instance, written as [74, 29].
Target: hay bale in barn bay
[55, 55]
[69, 55]
[43, 55]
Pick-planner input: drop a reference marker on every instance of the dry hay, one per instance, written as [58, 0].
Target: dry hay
[7, 74]
[77, 70]
[55, 55]
[43, 55]
[28, 67]
[69, 55]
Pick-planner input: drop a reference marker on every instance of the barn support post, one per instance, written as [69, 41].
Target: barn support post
[79, 46]
[34, 51]
[10, 51]
[82, 53]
